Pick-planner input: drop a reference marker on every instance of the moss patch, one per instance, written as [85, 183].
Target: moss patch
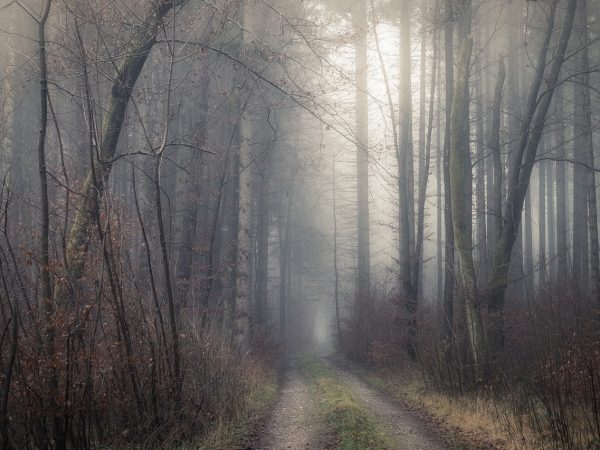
[348, 425]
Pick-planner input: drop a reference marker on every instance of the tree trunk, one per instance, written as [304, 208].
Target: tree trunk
[284, 271]
[520, 273]
[405, 181]
[336, 273]
[362, 171]
[59, 425]
[480, 161]
[461, 192]
[262, 263]
[425, 161]
[542, 225]
[584, 186]
[141, 43]
[522, 164]
[241, 325]
[190, 196]
[562, 251]
[551, 220]
[496, 197]
[439, 195]
[448, 225]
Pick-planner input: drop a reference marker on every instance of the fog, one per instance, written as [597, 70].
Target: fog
[191, 186]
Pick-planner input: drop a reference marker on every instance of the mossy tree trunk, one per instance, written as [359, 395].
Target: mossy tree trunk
[461, 194]
[124, 79]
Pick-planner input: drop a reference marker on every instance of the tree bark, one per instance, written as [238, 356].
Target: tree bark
[522, 164]
[496, 197]
[562, 251]
[336, 273]
[142, 41]
[461, 192]
[543, 280]
[584, 185]
[448, 225]
[480, 162]
[191, 191]
[241, 325]
[362, 170]
[405, 181]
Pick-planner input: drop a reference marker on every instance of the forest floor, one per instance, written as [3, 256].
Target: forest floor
[323, 404]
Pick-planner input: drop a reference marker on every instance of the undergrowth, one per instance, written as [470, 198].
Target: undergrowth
[467, 421]
[234, 432]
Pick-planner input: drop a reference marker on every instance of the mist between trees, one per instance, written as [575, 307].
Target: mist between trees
[187, 186]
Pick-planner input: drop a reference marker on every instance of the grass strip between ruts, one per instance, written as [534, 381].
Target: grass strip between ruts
[349, 425]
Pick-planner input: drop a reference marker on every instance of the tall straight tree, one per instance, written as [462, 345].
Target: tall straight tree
[461, 192]
[448, 225]
[542, 222]
[538, 103]
[245, 245]
[404, 158]
[361, 28]
[480, 163]
[584, 186]
[521, 282]
[551, 218]
[562, 250]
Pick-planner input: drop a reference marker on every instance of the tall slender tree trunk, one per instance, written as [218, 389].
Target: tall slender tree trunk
[543, 280]
[336, 291]
[551, 219]
[58, 424]
[405, 181]
[461, 191]
[526, 257]
[496, 197]
[584, 186]
[439, 194]
[562, 250]
[480, 162]
[362, 170]
[425, 162]
[448, 225]
[522, 165]
[521, 281]
[262, 269]
[285, 221]
[243, 266]
[190, 192]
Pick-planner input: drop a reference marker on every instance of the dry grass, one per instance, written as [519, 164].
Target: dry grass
[236, 432]
[468, 421]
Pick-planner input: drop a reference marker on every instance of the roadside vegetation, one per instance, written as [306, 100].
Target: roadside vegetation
[236, 429]
[465, 421]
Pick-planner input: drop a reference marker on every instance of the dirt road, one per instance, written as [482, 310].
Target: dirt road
[294, 422]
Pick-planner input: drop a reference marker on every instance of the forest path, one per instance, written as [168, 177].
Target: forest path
[404, 427]
[294, 421]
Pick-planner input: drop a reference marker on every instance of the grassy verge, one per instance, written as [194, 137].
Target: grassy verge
[236, 432]
[468, 421]
[348, 425]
